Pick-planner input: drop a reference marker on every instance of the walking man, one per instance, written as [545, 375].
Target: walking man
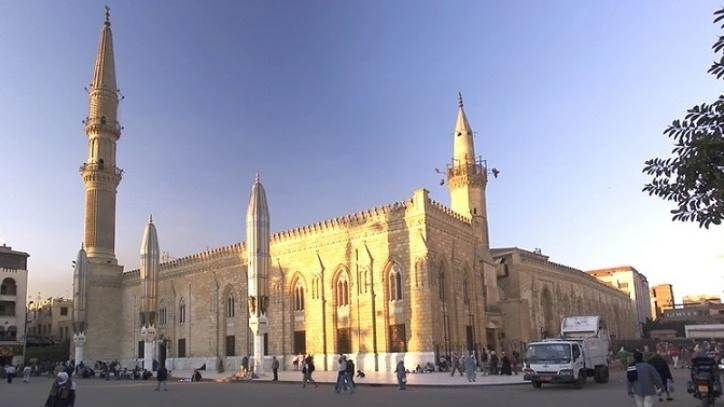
[642, 381]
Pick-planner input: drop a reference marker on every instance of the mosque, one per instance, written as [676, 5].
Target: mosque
[414, 279]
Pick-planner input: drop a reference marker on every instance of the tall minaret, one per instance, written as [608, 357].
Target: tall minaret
[467, 176]
[150, 264]
[80, 279]
[100, 174]
[101, 177]
[257, 249]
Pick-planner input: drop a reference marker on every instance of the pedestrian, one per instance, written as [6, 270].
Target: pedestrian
[350, 374]
[642, 381]
[275, 368]
[26, 374]
[662, 368]
[470, 367]
[62, 392]
[341, 374]
[307, 370]
[245, 367]
[675, 356]
[10, 373]
[401, 374]
[162, 378]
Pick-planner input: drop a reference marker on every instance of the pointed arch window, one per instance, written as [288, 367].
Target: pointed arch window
[316, 283]
[298, 296]
[441, 285]
[162, 316]
[342, 290]
[395, 283]
[483, 288]
[181, 312]
[230, 306]
[466, 290]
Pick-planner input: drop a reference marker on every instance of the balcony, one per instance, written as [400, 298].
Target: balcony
[102, 167]
[476, 167]
[96, 124]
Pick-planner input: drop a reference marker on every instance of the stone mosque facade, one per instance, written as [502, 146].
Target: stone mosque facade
[413, 279]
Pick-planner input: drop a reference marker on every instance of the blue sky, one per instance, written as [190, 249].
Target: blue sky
[345, 105]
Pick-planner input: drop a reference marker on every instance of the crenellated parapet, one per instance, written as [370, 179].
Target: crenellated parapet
[368, 216]
[234, 251]
[440, 209]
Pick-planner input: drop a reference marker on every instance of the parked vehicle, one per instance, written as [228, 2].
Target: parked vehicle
[581, 351]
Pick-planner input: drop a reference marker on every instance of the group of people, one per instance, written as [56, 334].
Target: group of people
[647, 380]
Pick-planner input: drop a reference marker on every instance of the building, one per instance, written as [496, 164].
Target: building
[412, 278]
[538, 293]
[699, 313]
[49, 320]
[13, 291]
[633, 283]
[699, 299]
[662, 299]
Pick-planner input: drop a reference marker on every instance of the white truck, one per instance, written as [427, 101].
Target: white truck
[581, 351]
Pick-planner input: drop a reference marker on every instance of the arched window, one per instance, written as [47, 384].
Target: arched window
[181, 312]
[394, 283]
[466, 290]
[441, 285]
[342, 290]
[8, 287]
[315, 287]
[162, 316]
[483, 288]
[230, 306]
[299, 297]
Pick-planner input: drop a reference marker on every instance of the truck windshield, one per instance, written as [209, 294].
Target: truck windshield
[553, 353]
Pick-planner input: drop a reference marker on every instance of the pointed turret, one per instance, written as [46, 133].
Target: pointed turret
[257, 249]
[80, 279]
[150, 263]
[464, 148]
[80, 303]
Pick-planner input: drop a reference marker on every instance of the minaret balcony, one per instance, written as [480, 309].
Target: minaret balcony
[100, 166]
[101, 125]
[457, 168]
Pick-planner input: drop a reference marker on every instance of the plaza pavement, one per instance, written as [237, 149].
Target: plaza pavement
[128, 393]
[439, 379]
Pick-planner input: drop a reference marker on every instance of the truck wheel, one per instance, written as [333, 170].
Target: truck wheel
[604, 375]
[581, 380]
[597, 374]
[537, 385]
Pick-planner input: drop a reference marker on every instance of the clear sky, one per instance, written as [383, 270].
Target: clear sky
[345, 105]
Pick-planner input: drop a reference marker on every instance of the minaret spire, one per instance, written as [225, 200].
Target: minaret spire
[100, 174]
[464, 147]
[467, 176]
